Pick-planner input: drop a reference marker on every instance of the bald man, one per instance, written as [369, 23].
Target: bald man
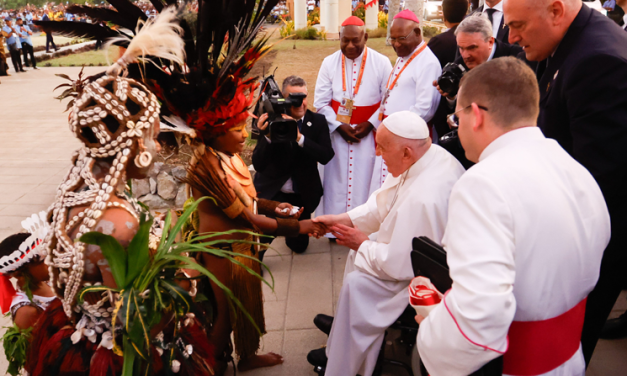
[582, 75]
[412, 202]
[525, 236]
[350, 85]
[409, 86]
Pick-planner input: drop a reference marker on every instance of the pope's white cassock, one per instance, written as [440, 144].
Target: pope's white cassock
[411, 91]
[347, 176]
[526, 233]
[374, 292]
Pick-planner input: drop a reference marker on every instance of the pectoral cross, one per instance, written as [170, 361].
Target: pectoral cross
[349, 105]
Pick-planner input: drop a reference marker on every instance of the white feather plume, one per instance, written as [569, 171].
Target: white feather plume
[158, 38]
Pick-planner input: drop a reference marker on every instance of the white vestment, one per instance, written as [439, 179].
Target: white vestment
[347, 176]
[526, 232]
[414, 91]
[375, 294]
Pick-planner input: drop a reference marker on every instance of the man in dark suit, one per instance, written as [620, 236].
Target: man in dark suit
[476, 46]
[444, 46]
[288, 172]
[493, 9]
[582, 74]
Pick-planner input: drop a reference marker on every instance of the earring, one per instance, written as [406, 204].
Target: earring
[144, 158]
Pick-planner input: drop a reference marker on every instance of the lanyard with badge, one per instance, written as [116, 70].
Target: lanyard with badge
[345, 110]
[388, 87]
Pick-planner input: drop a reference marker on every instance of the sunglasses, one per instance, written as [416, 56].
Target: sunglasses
[453, 119]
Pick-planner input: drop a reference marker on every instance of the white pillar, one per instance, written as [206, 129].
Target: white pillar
[300, 14]
[372, 17]
[323, 14]
[418, 7]
[332, 26]
[345, 10]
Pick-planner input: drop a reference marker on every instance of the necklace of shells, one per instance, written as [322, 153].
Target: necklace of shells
[64, 253]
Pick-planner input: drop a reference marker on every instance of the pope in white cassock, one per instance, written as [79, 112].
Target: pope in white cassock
[412, 202]
[526, 232]
[350, 85]
[409, 87]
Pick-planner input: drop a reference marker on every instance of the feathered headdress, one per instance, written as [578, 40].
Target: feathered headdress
[210, 92]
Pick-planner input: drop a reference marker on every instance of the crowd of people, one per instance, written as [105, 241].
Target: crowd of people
[500, 139]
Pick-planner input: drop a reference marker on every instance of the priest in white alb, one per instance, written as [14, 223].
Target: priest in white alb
[409, 87]
[526, 231]
[412, 202]
[350, 85]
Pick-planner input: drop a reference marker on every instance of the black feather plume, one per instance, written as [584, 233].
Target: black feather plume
[105, 15]
[79, 30]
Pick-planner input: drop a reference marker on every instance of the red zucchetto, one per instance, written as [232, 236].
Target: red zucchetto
[408, 15]
[354, 21]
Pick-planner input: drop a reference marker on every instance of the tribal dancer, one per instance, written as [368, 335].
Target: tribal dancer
[22, 258]
[214, 98]
[117, 120]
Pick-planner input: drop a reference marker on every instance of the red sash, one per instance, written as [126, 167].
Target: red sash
[537, 347]
[360, 113]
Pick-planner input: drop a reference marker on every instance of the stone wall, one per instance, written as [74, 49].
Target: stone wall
[163, 188]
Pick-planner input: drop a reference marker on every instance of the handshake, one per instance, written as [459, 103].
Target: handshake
[341, 227]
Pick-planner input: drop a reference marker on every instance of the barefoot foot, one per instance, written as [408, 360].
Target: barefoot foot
[259, 361]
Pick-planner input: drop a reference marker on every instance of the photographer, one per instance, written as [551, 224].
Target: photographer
[476, 46]
[288, 171]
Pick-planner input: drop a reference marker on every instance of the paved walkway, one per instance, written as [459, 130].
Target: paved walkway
[35, 149]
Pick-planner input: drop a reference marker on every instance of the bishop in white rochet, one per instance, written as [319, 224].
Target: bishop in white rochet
[350, 85]
[526, 231]
[409, 87]
[412, 202]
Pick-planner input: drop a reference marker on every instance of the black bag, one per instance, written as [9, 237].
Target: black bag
[428, 259]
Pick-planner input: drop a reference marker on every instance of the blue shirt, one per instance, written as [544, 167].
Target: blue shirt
[11, 39]
[24, 36]
[69, 17]
[610, 4]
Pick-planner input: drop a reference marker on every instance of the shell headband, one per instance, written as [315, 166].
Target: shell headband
[37, 226]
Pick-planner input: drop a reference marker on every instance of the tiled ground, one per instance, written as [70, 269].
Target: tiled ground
[35, 148]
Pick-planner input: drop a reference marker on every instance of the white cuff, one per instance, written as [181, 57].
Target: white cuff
[301, 142]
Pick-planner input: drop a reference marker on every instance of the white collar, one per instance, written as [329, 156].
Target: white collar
[498, 7]
[493, 51]
[524, 133]
[358, 58]
[625, 20]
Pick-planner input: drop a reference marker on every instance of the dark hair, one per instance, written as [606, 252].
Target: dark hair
[293, 81]
[507, 87]
[12, 243]
[454, 11]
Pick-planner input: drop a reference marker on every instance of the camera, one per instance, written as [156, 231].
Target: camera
[451, 143]
[275, 105]
[451, 77]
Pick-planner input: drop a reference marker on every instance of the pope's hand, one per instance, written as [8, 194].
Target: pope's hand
[309, 227]
[348, 236]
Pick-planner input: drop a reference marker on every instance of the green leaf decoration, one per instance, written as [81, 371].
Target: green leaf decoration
[112, 251]
[15, 342]
[138, 254]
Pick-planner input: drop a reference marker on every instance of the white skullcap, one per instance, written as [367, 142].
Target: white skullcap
[407, 124]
